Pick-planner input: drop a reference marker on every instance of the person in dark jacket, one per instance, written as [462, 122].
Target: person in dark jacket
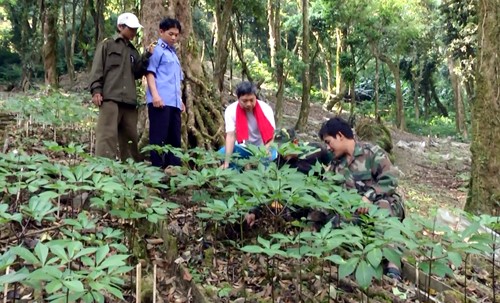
[116, 67]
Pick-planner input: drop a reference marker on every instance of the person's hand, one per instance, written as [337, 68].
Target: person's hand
[224, 165]
[183, 107]
[250, 218]
[364, 210]
[151, 47]
[97, 99]
[157, 101]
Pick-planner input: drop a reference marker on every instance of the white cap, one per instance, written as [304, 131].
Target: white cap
[129, 20]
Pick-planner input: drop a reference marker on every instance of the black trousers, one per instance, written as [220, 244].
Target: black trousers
[164, 129]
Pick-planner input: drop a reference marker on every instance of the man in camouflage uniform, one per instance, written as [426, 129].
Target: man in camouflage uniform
[366, 168]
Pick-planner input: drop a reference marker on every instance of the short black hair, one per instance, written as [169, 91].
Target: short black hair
[246, 88]
[334, 126]
[169, 23]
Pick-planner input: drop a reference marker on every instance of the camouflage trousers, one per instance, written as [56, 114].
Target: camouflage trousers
[394, 204]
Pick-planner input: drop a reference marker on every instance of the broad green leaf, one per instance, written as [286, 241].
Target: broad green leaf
[254, 249]
[85, 252]
[14, 277]
[74, 286]
[265, 243]
[374, 257]
[391, 255]
[348, 267]
[455, 258]
[25, 254]
[112, 261]
[101, 254]
[364, 274]
[59, 251]
[336, 259]
[41, 251]
[53, 286]
[114, 291]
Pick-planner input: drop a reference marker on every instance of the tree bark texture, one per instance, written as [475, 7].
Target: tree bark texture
[394, 67]
[484, 187]
[203, 121]
[340, 87]
[306, 74]
[458, 98]
[97, 12]
[50, 43]
[274, 21]
[223, 11]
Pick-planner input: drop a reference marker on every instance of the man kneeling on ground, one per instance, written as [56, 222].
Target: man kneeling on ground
[367, 169]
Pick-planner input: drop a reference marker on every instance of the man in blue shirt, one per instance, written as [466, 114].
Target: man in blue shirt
[164, 94]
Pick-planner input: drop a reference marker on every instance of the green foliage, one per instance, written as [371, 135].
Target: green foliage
[437, 126]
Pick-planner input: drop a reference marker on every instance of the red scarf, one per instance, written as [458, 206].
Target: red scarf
[265, 127]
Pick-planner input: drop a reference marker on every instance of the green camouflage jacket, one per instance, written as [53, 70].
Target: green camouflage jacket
[370, 172]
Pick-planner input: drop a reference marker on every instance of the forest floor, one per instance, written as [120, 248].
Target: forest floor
[434, 173]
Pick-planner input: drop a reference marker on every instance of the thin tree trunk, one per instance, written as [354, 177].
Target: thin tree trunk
[417, 79]
[97, 12]
[306, 74]
[340, 86]
[83, 44]
[223, 10]
[394, 67]
[274, 12]
[377, 79]
[484, 187]
[244, 67]
[457, 94]
[442, 109]
[50, 44]
[353, 83]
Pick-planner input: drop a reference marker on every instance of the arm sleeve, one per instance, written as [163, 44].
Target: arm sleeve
[230, 119]
[140, 67]
[154, 61]
[385, 174]
[97, 71]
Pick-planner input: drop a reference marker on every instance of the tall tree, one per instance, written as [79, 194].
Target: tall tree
[274, 21]
[97, 12]
[204, 123]
[223, 11]
[306, 73]
[50, 16]
[484, 189]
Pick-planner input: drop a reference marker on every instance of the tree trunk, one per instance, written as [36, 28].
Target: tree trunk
[274, 11]
[69, 43]
[239, 51]
[83, 44]
[306, 74]
[97, 12]
[152, 12]
[377, 80]
[484, 189]
[457, 94]
[442, 109]
[416, 75]
[204, 123]
[394, 67]
[50, 43]
[223, 10]
[353, 83]
[340, 86]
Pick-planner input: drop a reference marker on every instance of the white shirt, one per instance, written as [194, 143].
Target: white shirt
[254, 136]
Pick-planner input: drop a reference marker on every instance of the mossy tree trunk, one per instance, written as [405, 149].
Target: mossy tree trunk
[484, 190]
[394, 67]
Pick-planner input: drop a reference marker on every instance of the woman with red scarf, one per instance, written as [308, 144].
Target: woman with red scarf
[248, 121]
